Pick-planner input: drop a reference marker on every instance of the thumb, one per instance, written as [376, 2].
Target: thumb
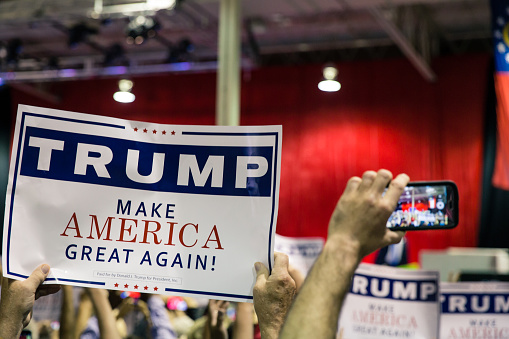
[262, 273]
[37, 277]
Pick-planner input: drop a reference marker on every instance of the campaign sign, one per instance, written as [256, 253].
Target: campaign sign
[138, 206]
[388, 302]
[474, 310]
[302, 252]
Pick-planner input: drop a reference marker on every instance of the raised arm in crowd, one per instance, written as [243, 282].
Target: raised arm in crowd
[357, 227]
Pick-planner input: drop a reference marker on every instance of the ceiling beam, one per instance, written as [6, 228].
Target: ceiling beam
[404, 44]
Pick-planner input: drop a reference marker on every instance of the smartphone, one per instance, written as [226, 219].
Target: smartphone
[426, 205]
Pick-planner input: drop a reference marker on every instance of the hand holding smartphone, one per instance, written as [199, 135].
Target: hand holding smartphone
[426, 205]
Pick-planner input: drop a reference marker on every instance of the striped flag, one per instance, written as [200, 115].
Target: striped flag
[500, 25]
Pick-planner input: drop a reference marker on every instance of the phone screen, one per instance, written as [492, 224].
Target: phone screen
[426, 205]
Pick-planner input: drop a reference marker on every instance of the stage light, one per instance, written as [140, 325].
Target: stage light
[13, 51]
[52, 63]
[115, 56]
[329, 82]
[161, 4]
[140, 29]
[124, 94]
[181, 52]
[79, 33]
[124, 97]
[329, 85]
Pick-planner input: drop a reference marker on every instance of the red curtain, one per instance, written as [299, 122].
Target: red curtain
[385, 116]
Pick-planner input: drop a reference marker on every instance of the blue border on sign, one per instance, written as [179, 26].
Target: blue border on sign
[209, 293]
[274, 168]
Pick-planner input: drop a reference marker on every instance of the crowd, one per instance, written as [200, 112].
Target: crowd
[285, 306]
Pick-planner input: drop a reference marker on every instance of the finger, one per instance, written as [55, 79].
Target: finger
[367, 180]
[396, 188]
[262, 273]
[213, 318]
[28, 318]
[222, 304]
[383, 177]
[220, 315]
[281, 263]
[297, 276]
[393, 237]
[37, 277]
[352, 185]
[45, 290]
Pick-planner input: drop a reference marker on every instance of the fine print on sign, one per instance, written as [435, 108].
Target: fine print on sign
[137, 206]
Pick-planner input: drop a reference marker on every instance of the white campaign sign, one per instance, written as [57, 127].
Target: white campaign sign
[138, 206]
[474, 310]
[388, 302]
[302, 252]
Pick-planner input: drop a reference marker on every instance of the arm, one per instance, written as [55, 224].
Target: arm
[161, 325]
[215, 327]
[357, 228]
[104, 313]
[243, 326]
[18, 299]
[272, 295]
[85, 310]
[67, 313]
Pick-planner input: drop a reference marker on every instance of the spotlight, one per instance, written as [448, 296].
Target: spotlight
[161, 4]
[13, 51]
[79, 33]
[329, 82]
[140, 29]
[180, 52]
[124, 94]
[115, 56]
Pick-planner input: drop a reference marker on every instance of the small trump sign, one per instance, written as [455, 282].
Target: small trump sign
[138, 206]
[389, 302]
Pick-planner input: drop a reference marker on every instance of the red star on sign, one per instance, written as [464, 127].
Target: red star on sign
[154, 131]
[116, 284]
[135, 287]
[136, 129]
[164, 132]
[145, 130]
[155, 288]
[126, 286]
[172, 132]
[145, 288]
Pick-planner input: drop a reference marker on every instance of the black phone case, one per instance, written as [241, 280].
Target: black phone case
[452, 197]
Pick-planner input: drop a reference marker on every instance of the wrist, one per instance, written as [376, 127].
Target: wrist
[269, 332]
[9, 327]
[337, 262]
[342, 249]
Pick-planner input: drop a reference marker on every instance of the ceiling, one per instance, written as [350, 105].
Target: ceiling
[274, 32]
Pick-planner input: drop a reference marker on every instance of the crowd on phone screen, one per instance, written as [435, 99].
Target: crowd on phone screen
[285, 306]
